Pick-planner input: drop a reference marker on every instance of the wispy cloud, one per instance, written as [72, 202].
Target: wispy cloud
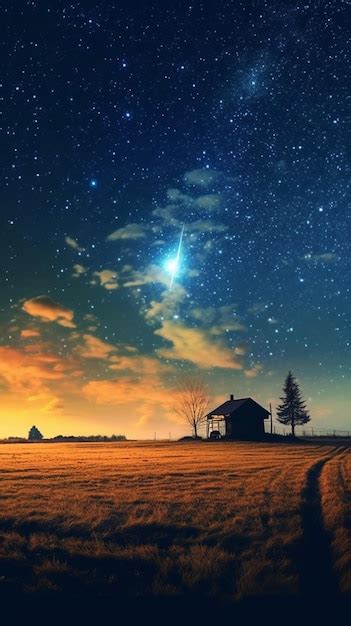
[130, 231]
[325, 257]
[79, 270]
[209, 202]
[29, 333]
[253, 371]
[138, 364]
[151, 274]
[168, 305]
[91, 347]
[205, 226]
[201, 177]
[196, 346]
[218, 320]
[73, 243]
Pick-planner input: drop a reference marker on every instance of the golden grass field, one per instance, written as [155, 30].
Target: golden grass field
[222, 520]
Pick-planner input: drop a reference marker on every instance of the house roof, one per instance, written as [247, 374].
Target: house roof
[230, 406]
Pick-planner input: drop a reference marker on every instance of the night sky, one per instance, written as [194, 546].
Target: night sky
[123, 122]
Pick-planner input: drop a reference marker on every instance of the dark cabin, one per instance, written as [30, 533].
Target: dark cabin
[242, 418]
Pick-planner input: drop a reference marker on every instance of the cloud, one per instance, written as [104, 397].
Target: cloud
[326, 257]
[79, 270]
[139, 365]
[167, 215]
[205, 226]
[131, 231]
[48, 402]
[253, 371]
[142, 396]
[48, 310]
[218, 320]
[258, 308]
[90, 317]
[197, 346]
[107, 279]
[168, 305]
[73, 243]
[201, 177]
[152, 274]
[146, 396]
[208, 202]
[27, 333]
[94, 348]
[176, 196]
[22, 371]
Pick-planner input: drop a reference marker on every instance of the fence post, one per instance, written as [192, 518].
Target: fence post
[270, 408]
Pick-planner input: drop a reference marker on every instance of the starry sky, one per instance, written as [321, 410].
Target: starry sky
[125, 124]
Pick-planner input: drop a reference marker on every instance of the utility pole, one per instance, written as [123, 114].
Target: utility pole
[270, 408]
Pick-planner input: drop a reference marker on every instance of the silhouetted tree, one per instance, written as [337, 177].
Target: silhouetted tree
[292, 410]
[192, 400]
[34, 434]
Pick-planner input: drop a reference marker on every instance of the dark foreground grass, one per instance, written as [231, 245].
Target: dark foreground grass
[212, 527]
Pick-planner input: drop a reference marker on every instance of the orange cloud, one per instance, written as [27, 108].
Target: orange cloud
[95, 348]
[197, 346]
[143, 397]
[253, 371]
[21, 371]
[27, 333]
[47, 402]
[106, 278]
[48, 310]
[143, 365]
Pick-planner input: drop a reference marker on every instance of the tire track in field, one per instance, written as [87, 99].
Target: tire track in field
[315, 562]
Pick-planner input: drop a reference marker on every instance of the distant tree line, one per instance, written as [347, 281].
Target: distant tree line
[89, 438]
[35, 435]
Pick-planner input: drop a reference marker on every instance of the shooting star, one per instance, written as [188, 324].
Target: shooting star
[172, 265]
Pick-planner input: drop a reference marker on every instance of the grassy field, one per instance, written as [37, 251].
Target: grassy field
[219, 520]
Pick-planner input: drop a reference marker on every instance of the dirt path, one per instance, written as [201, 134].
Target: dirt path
[317, 577]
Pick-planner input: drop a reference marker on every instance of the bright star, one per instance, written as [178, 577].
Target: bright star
[93, 183]
[172, 265]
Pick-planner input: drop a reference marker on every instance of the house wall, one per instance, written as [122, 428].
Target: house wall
[246, 424]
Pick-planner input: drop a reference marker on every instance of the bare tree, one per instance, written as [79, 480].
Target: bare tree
[192, 400]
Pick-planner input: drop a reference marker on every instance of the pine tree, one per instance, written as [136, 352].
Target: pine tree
[35, 434]
[292, 411]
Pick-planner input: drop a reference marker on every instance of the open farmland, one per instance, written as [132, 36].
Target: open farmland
[220, 520]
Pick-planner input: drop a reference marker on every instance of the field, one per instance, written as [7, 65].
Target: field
[219, 521]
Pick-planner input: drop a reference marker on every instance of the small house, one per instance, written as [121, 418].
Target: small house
[241, 418]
